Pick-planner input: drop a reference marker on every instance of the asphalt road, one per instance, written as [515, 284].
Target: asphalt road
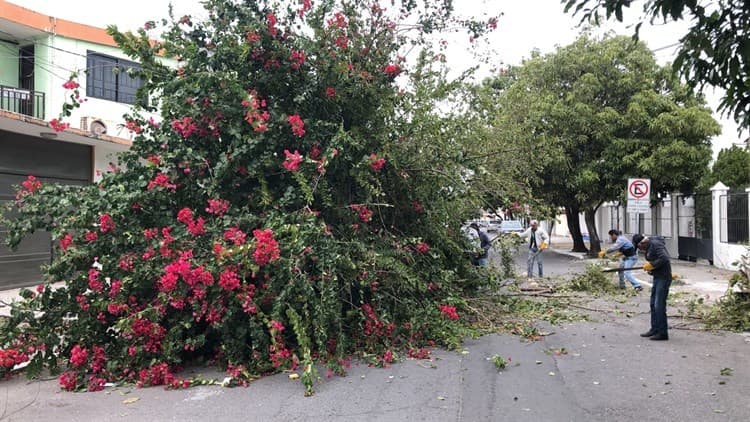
[609, 373]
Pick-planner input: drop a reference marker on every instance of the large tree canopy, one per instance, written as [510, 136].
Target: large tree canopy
[295, 205]
[732, 167]
[714, 51]
[610, 112]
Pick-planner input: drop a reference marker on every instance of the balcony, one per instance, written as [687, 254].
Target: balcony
[22, 101]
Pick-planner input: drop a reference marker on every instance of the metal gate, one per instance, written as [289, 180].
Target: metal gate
[51, 162]
[695, 235]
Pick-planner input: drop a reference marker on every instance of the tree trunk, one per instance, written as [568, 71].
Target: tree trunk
[594, 241]
[574, 227]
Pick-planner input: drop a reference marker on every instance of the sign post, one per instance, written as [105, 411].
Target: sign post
[639, 202]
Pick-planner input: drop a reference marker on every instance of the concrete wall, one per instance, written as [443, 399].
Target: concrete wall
[8, 64]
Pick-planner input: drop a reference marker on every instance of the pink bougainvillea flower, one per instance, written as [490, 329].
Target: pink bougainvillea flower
[271, 18]
[266, 248]
[422, 247]
[106, 223]
[330, 92]
[416, 206]
[298, 126]
[71, 84]
[306, 5]
[297, 59]
[234, 235]
[292, 160]
[163, 181]
[185, 216]
[449, 312]
[392, 70]
[229, 280]
[58, 125]
[66, 242]
[376, 163]
[217, 207]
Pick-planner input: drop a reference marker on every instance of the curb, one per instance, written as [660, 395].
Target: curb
[577, 255]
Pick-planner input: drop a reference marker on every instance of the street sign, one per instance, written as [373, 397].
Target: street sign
[639, 193]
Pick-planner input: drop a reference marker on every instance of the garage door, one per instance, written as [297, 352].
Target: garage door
[51, 162]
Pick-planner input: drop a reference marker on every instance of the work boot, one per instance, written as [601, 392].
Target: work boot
[648, 333]
[638, 288]
[659, 337]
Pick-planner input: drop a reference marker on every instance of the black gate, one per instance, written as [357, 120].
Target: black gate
[695, 237]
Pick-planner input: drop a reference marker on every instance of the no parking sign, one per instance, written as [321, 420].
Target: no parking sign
[639, 193]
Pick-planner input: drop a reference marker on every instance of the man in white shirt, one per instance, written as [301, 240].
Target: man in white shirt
[537, 243]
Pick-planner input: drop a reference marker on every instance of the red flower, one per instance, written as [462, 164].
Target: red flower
[69, 381]
[422, 247]
[217, 206]
[185, 126]
[66, 242]
[234, 235]
[342, 42]
[71, 84]
[363, 212]
[339, 21]
[272, 24]
[133, 126]
[31, 184]
[298, 126]
[449, 312]
[79, 356]
[229, 280]
[330, 92]
[161, 180]
[306, 5]
[292, 160]
[91, 236]
[58, 125]
[252, 37]
[185, 216]
[392, 70]
[416, 206]
[94, 283]
[197, 227]
[106, 223]
[277, 326]
[297, 59]
[376, 163]
[266, 248]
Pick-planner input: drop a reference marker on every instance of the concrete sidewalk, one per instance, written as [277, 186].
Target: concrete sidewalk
[705, 280]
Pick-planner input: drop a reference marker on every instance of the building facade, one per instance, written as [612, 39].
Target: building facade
[38, 53]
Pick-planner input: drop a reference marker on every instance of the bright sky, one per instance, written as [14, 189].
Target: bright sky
[524, 26]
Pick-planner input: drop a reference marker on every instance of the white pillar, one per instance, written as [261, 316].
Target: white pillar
[748, 210]
[717, 215]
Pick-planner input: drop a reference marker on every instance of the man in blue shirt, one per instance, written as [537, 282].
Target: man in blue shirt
[629, 258]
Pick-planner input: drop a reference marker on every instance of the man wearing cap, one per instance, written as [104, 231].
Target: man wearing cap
[538, 239]
[629, 258]
[659, 267]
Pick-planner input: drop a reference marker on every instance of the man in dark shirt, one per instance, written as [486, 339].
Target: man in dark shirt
[480, 258]
[659, 267]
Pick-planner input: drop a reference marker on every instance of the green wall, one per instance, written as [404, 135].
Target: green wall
[8, 64]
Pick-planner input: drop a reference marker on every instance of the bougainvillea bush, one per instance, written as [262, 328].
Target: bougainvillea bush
[293, 206]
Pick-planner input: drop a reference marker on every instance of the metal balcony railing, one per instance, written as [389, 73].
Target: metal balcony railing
[22, 101]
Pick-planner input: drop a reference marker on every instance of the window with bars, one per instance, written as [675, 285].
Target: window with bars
[109, 78]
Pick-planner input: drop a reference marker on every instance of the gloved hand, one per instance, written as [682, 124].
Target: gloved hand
[648, 267]
[543, 246]
[602, 254]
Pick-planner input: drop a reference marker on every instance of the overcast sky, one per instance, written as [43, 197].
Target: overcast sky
[524, 26]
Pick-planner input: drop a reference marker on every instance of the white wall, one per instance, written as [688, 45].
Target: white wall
[69, 55]
[103, 156]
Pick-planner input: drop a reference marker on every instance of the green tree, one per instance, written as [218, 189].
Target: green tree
[715, 50]
[295, 205]
[732, 167]
[609, 112]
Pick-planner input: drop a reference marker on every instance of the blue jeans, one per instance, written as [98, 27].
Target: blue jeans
[628, 262]
[659, 293]
[480, 262]
[535, 254]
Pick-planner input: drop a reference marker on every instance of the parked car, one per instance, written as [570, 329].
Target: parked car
[511, 226]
